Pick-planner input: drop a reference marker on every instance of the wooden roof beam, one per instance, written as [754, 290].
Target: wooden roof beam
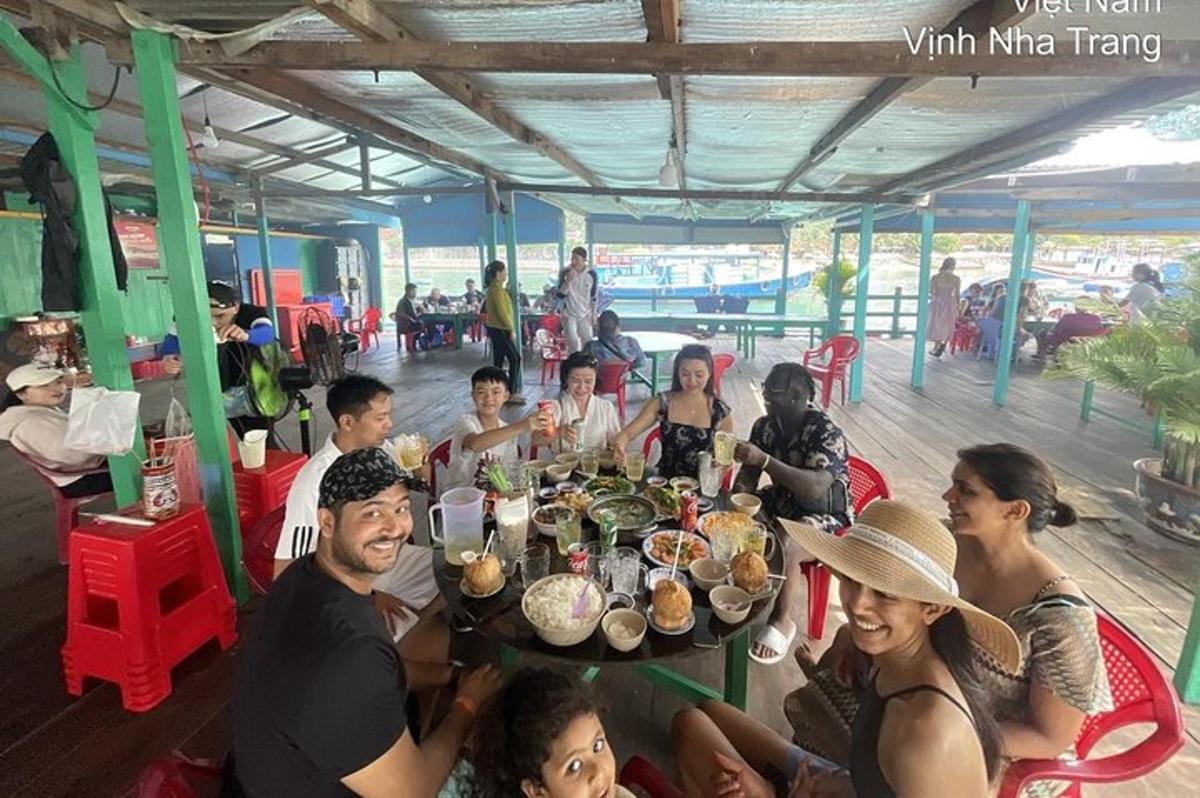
[817, 59]
[662, 25]
[365, 20]
[976, 20]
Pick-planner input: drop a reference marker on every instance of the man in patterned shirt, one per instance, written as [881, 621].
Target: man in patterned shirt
[804, 453]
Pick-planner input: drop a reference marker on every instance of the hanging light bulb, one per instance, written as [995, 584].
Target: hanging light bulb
[209, 138]
[427, 199]
[667, 176]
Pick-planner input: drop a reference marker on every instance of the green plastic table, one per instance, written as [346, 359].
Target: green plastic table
[459, 321]
[657, 345]
[746, 326]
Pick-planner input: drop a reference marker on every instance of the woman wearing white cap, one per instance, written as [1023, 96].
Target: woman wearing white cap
[922, 727]
[31, 420]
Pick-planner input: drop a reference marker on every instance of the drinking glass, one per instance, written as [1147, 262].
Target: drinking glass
[755, 540]
[510, 543]
[535, 564]
[568, 530]
[710, 479]
[635, 466]
[589, 463]
[598, 566]
[724, 546]
[627, 570]
[723, 446]
[410, 451]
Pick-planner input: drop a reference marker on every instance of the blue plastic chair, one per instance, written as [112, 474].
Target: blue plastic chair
[989, 339]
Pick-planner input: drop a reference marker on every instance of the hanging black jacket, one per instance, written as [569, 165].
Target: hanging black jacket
[51, 185]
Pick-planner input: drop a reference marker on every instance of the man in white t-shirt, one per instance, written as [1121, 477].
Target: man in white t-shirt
[483, 435]
[577, 286]
[361, 407]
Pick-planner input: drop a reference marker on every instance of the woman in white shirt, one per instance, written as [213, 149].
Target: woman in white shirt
[579, 401]
[1147, 289]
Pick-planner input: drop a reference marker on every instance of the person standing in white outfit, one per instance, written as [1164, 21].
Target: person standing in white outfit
[577, 286]
[1144, 295]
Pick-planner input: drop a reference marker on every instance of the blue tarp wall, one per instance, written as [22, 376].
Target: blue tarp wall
[458, 221]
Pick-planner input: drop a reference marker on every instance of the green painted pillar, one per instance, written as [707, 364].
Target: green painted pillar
[1027, 269]
[782, 294]
[482, 261]
[264, 252]
[154, 60]
[72, 129]
[1021, 241]
[834, 288]
[926, 264]
[866, 228]
[407, 259]
[510, 246]
[1187, 673]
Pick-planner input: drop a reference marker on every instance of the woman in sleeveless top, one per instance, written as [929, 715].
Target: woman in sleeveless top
[1000, 495]
[689, 415]
[922, 727]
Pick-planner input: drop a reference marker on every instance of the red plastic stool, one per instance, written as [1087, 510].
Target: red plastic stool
[262, 490]
[818, 578]
[140, 600]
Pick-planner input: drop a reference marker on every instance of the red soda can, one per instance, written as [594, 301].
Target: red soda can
[546, 406]
[577, 559]
[689, 511]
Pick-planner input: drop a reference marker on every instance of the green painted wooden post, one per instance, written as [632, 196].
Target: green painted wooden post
[781, 295]
[1187, 673]
[834, 288]
[154, 59]
[1030, 248]
[1021, 240]
[1085, 404]
[264, 252]
[866, 228]
[926, 266]
[407, 259]
[510, 246]
[897, 295]
[72, 130]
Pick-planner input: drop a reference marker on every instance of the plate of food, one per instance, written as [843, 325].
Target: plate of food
[576, 501]
[546, 517]
[609, 486]
[724, 522]
[659, 548]
[664, 499]
[633, 513]
[683, 484]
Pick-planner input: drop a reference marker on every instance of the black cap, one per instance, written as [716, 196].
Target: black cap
[361, 475]
[222, 295]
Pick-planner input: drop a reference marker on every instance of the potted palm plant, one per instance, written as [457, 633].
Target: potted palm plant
[1159, 362]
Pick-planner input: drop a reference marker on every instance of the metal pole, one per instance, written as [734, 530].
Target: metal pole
[154, 59]
[264, 252]
[510, 246]
[407, 259]
[866, 228]
[1016, 268]
[834, 288]
[491, 241]
[926, 264]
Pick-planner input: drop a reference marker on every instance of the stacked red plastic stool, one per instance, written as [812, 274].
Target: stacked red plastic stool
[140, 600]
[263, 490]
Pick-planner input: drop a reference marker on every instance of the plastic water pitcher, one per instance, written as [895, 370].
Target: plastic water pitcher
[462, 522]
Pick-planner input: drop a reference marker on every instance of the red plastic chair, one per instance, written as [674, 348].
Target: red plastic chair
[66, 508]
[611, 378]
[258, 549]
[1141, 694]
[655, 436]
[553, 351]
[841, 350]
[965, 338]
[552, 323]
[365, 328]
[721, 362]
[866, 485]
[439, 456]
[640, 773]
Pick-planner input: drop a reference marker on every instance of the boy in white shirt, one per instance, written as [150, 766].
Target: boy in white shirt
[483, 435]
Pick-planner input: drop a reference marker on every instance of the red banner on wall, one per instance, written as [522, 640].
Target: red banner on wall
[139, 241]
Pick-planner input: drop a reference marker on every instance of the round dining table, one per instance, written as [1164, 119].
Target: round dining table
[660, 345]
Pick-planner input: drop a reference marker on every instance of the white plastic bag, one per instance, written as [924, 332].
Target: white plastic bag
[102, 421]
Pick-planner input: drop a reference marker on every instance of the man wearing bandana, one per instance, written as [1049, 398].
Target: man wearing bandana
[321, 698]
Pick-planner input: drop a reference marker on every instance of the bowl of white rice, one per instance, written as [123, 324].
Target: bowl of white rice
[547, 605]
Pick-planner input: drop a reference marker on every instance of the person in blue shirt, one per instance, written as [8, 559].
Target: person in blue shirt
[609, 344]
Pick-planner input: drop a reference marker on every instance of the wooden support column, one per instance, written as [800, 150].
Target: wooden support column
[482, 262]
[1016, 268]
[862, 280]
[407, 258]
[490, 237]
[1030, 248]
[1187, 673]
[918, 366]
[154, 58]
[72, 129]
[509, 220]
[782, 294]
[562, 253]
[833, 290]
[364, 163]
[264, 252]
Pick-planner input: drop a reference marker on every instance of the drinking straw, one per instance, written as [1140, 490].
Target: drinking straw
[488, 546]
[678, 547]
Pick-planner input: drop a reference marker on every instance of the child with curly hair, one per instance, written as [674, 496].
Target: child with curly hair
[542, 737]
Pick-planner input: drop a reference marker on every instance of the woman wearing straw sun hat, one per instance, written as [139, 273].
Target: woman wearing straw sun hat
[922, 727]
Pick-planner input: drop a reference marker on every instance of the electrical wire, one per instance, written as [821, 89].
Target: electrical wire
[199, 171]
[111, 92]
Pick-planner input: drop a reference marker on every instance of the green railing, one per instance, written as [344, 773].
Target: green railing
[898, 304]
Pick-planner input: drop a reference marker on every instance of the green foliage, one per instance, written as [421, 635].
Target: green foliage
[847, 272]
[1158, 361]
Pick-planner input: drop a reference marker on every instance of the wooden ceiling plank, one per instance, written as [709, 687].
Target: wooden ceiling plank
[360, 17]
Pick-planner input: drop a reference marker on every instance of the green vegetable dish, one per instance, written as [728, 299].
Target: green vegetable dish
[608, 486]
[665, 500]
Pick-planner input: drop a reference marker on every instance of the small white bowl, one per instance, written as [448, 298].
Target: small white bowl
[629, 617]
[746, 503]
[559, 472]
[682, 484]
[728, 594]
[708, 573]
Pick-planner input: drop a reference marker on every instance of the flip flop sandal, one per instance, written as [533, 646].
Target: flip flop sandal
[770, 637]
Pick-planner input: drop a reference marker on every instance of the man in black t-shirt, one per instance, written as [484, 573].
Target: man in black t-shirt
[320, 701]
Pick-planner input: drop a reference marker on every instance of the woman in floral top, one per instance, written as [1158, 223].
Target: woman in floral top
[805, 455]
[689, 415]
